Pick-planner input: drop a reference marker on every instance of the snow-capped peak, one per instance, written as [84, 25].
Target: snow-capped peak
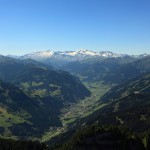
[46, 53]
[81, 52]
[39, 54]
[87, 52]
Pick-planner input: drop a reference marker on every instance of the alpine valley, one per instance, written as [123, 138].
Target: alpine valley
[75, 100]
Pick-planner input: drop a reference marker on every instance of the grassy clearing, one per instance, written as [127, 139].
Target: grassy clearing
[7, 119]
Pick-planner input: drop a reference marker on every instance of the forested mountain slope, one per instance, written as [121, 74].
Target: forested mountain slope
[110, 70]
[126, 105]
[39, 81]
[36, 97]
[23, 116]
[98, 137]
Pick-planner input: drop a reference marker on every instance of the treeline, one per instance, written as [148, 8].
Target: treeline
[9, 144]
[98, 137]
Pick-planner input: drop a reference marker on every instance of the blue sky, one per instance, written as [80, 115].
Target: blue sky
[121, 26]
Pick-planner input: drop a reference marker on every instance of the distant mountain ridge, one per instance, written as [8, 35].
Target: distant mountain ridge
[78, 54]
[81, 53]
[57, 58]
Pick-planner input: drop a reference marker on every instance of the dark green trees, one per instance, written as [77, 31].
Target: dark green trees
[6, 144]
[148, 140]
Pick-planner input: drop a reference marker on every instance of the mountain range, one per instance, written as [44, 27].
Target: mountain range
[49, 95]
[34, 94]
[58, 58]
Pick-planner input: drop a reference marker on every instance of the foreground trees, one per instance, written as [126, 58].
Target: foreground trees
[9, 144]
[97, 137]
